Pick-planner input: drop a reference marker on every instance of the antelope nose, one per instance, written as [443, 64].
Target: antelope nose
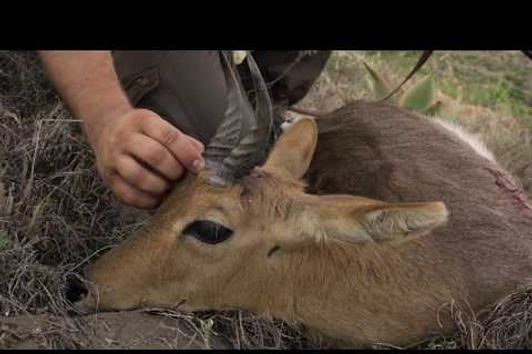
[76, 290]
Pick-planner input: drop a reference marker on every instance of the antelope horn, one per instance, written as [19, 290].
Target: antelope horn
[251, 148]
[226, 157]
[228, 132]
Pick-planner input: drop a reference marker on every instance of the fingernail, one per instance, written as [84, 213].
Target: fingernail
[200, 147]
[198, 165]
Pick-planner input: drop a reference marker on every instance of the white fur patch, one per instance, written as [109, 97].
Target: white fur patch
[473, 140]
[290, 119]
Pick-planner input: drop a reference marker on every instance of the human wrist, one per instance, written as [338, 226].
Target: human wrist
[96, 121]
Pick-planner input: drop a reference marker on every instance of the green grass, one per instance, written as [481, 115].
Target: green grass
[496, 80]
[4, 240]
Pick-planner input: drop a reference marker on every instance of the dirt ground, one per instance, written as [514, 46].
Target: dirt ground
[56, 214]
[145, 329]
[128, 330]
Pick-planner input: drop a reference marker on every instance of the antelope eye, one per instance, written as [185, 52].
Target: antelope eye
[208, 231]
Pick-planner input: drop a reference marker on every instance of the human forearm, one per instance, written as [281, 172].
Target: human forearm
[88, 83]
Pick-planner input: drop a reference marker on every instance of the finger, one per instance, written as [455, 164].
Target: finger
[198, 164]
[197, 144]
[175, 141]
[140, 177]
[131, 195]
[155, 155]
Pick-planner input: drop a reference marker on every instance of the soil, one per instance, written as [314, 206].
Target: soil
[112, 330]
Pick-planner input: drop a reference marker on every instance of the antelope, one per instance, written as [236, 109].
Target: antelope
[360, 225]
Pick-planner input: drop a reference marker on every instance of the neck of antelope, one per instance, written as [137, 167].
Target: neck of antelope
[334, 287]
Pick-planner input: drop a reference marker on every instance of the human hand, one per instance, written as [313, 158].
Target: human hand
[139, 155]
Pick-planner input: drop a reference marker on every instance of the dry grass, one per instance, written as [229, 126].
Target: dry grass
[56, 214]
[55, 211]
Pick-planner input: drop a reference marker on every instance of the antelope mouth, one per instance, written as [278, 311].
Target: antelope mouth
[79, 295]
[82, 297]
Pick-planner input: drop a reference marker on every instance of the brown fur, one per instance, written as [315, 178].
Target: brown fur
[395, 155]
[369, 267]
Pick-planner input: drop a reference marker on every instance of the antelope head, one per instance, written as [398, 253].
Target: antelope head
[231, 239]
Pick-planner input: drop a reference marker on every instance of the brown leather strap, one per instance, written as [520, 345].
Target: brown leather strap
[422, 59]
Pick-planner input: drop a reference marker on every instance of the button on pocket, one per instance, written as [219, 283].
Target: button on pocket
[142, 81]
[139, 85]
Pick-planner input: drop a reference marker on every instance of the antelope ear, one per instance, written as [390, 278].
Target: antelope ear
[404, 220]
[293, 151]
[379, 222]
